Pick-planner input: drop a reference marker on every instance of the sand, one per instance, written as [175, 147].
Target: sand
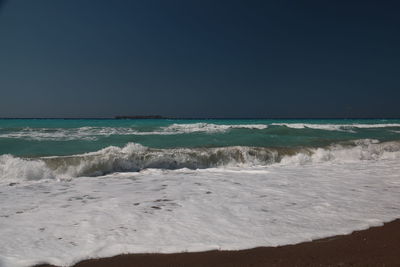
[377, 246]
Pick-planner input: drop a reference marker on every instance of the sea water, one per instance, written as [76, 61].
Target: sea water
[77, 189]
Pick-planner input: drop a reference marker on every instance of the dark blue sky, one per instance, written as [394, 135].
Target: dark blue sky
[80, 58]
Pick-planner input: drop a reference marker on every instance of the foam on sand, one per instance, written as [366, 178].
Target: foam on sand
[155, 210]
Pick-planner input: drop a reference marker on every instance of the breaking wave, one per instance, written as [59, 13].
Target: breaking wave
[209, 127]
[336, 127]
[93, 133]
[135, 157]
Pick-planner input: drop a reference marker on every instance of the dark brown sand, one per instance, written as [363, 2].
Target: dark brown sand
[377, 246]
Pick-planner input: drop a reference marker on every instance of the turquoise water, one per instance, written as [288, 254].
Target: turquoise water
[57, 137]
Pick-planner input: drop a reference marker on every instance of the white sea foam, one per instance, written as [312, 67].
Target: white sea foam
[135, 157]
[132, 157]
[13, 169]
[67, 134]
[209, 127]
[364, 150]
[335, 127]
[93, 133]
[192, 210]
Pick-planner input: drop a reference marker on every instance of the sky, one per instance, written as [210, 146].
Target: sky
[200, 58]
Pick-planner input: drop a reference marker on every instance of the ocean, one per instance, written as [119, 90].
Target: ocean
[72, 189]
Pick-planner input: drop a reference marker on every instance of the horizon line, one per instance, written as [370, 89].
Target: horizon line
[185, 118]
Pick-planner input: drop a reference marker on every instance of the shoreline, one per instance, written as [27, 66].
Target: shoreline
[376, 246]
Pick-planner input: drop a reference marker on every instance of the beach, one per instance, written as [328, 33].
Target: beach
[377, 246]
[245, 191]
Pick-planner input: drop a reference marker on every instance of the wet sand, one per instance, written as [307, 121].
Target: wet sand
[377, 246]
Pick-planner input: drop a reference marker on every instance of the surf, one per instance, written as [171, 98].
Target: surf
[134, 157]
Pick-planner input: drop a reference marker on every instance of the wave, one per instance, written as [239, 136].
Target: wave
[209, 127]
[336, 127]
[67, 134]
[16, 169]
[93, 133]
[135, 157]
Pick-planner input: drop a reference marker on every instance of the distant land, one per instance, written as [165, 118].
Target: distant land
[140, 117]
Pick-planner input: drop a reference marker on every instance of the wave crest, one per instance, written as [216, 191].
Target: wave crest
[336, 127]
[209, 127]
[16, 169]
[90, 133]
[135, 157]
[93, 133]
